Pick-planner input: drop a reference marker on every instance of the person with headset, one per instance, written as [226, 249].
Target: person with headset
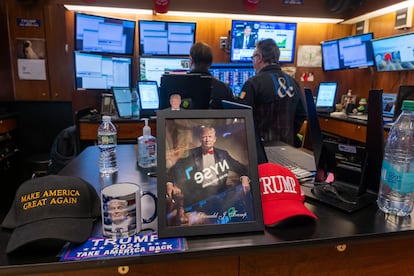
[276, 98]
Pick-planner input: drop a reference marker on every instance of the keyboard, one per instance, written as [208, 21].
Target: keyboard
[301, 174]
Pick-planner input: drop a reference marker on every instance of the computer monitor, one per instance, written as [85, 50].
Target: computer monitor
[148, 98]
[166, 38]
[347, 173]
[233, 74]
[101, 34]
[405, 92]
[347, 52]
[325, 100]
[122, 98]
[152, 68]
[283, 33]
[195, 90]
[94, 71]
[394, 53]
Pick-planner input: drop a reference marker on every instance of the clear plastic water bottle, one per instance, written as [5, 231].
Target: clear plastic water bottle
[396, 192]
[107, 139]
[135, 103]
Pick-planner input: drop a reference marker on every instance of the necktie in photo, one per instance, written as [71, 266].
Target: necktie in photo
[246, 40]
[209, 152]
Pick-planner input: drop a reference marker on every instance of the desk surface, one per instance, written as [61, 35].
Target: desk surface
[331, 226]
[355, 121]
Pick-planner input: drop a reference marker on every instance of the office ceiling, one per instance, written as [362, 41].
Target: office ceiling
[310, 8]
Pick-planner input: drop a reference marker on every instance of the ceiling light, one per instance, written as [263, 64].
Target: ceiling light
[389, 9]
[205, 14]
[108, 9]
[256, 17]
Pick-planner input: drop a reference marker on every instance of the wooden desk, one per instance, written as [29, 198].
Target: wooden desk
[131, 129]
[7, 124]
[128, 129]
[363, 243]
[345, 127]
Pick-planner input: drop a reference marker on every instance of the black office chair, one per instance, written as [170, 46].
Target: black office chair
[65, 147]
[79, 114]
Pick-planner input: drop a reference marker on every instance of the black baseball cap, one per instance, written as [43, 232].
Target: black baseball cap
[53, 208]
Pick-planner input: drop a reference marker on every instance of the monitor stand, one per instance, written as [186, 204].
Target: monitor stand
[340, 195]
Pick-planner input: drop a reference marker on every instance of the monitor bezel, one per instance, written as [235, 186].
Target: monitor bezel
[142, 52]
[102, 56]
[121, 20]
[250, 22]
[147, 112]
[342, 66]
[184, 85]
[330, 108]
[119, 103]
[389, 38]
[185, 59]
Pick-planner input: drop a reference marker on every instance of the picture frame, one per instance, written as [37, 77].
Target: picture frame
[348, 99]
[194, 200]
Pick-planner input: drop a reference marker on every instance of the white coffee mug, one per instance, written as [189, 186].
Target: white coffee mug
[121, 210]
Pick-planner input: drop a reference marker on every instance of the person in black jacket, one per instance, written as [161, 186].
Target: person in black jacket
[276, 98]
[201, 58]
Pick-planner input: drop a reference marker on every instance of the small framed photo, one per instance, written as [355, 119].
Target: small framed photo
[207, 173]
[346, 99]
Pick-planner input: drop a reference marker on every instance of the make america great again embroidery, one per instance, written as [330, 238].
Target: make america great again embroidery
[51, 197]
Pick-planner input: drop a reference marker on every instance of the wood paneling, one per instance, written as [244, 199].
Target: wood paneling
[60, 82]
[6, 77]
[61, 76]
[126, 130]
[344, 129]
[347, 258]
[225, 266]
[314, 8]
[26, 89]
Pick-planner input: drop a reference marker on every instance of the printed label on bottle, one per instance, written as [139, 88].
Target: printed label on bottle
[135, 109]
[151, 147]
[398, 181]
[107, 139]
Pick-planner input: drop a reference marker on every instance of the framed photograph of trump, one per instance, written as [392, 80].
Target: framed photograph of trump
[207, 173]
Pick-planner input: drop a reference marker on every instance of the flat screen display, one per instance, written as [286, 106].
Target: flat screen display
[152, 68]
[94, 71]
[244, 35]
[325, 100]
[195, 90]
[101, 34]
[395, 53]
[164, 38]
[122, 96]
[348, 52]
[148, 97]
[233, 74]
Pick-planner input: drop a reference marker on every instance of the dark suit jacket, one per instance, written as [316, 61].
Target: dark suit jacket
[238, 43]
[219, 90]
[187, 170]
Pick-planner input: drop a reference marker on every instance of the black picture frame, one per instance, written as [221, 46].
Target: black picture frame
[232, 209]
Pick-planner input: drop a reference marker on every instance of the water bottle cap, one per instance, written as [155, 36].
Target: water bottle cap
[408, 105]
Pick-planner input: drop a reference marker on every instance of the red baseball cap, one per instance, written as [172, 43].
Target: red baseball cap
[282, 196]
